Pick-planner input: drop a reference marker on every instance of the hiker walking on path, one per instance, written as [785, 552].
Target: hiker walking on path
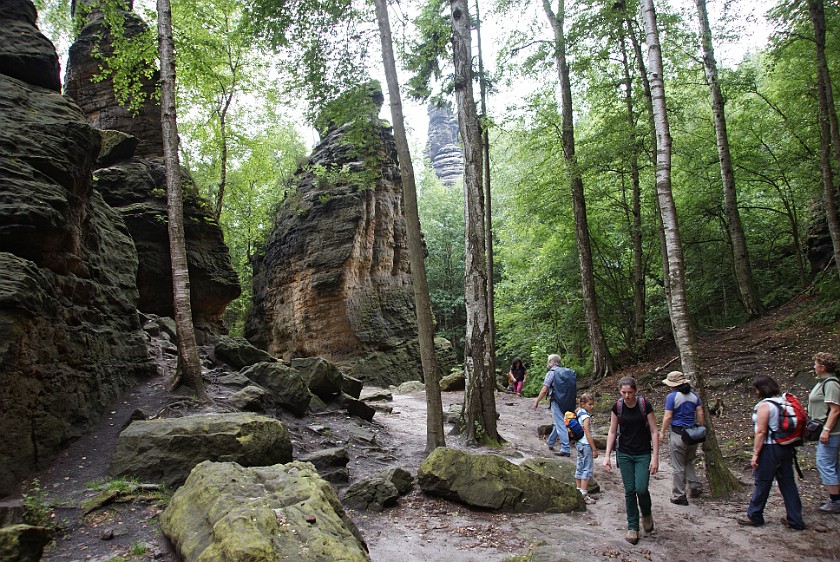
[517, 376]
[683, 409]
[561, 384]
[585, 447]
[824, 405]
[633, 435]
[770, 460]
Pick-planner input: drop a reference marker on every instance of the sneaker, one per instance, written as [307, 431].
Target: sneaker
[632, 536]
[830, 507]
[745, 520]
[647, 523]
[588, 500]
[679, 500]
[787, 524]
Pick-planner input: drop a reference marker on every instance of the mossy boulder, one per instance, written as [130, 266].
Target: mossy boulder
[561, 470]
[285, 385]
[166, 450]
[229, 513]
[239, 353]
[491, 482]
[323, 378]
[23, 543]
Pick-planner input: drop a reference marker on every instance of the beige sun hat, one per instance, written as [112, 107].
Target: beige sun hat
[675, 378]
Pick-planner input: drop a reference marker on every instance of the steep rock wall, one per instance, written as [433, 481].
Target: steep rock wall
[70, 337]
[444, 149]
[334, 280]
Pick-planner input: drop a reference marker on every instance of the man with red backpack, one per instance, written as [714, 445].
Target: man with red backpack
[773, 454]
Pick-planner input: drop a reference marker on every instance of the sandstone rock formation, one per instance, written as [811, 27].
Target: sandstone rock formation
[136, 186]
[228, 513]
[491, 482]
[334, 279]
[166, 450]
[70, 337]
[97, 99]
[444, 148]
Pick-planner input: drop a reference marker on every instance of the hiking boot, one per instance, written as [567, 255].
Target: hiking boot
[744, 519]
[787, 524]
[565, 454]
[695, 493]
[647, 523]
[632, 536]
[679, 500]
[830, 507]
[551, 447]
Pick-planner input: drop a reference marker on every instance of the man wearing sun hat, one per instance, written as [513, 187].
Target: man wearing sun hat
[683, 409]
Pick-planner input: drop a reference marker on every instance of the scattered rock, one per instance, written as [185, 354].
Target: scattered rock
[228, 513]
[285, 385]
[322, 377]
[23, 543]
[358, 408]
[239, 353]
[455, 381]
[166, 450]
[376, 395]
[11, 512]
[351, 386]
[331, 464]
[491, 482]
[410, 386]
[249, 399]
[371, 494]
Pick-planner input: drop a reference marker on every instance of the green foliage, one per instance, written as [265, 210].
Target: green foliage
[129, 59]
[138, 549]
[122, 485]
[425, 55]
[37, 510]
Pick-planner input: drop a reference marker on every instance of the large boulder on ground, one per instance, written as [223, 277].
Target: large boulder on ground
[252, 398]
[331, 464]
[23, 543]
[286, 387]
[321, 376]
[334, 277]
[70, 337]
[491, 482]
[561, 470]
[239, 353]
[228, 513]
[455, 381]
[166, 450]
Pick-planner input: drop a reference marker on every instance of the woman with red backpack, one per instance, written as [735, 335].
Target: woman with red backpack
[771, 460]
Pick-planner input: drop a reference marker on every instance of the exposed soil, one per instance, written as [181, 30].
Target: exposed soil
[426, 528]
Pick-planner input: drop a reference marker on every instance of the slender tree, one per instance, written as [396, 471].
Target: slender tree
[740, 255]
[480, 398]
[425, 325]
[721, 481]
[601, 360]
[829, 131]
[189, 364]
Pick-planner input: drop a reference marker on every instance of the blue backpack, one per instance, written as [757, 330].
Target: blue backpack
[575, 428]
[564, 388]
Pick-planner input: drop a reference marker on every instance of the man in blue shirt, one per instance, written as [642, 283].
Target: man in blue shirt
[561, 384]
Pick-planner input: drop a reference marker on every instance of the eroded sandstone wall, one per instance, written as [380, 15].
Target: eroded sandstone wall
[334, 280]
[70, 337]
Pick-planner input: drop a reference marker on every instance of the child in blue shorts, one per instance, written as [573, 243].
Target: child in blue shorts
[586, 449]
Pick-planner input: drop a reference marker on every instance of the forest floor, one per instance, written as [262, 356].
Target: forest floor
[430, 529]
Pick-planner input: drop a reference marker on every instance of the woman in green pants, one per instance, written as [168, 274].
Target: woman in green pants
[637, 454]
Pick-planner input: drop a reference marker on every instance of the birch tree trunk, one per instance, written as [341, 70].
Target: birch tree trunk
[829, 132]
[479, 399]
[740, 255]
[601, 360]
[425, 326]
[189, 363]
[721, 480]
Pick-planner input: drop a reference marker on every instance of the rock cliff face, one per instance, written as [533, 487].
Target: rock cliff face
[136, 186]
[70, 337]
[97, 99]
[334, 280]
[444, 149]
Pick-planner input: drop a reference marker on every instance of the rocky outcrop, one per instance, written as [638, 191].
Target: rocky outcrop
[25, 53]
[491, 482]
[334, 279]
[166, 450]
[136, 189]
[23, 543]
[70, 337]
[227, 513]
[88, 53]
[443, 147]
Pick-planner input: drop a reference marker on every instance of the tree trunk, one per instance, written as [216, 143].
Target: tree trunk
[488, 209]
[721, 481]
[639, 307]
[829, 132]
[224, 158]
[740, 255]
[480, 398]
[601, 360]
[425, 326]
[189, 364]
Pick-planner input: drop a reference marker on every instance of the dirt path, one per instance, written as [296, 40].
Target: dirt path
[423, 529]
